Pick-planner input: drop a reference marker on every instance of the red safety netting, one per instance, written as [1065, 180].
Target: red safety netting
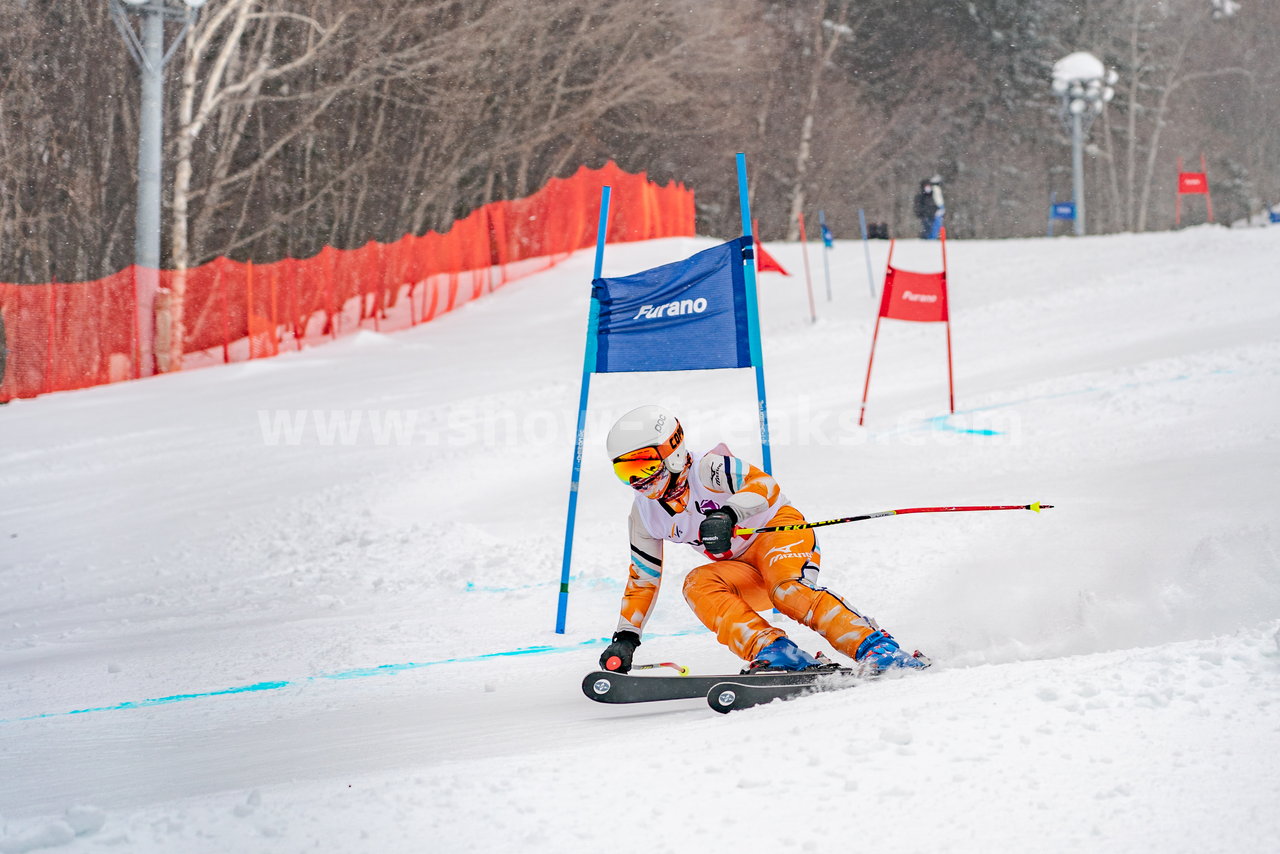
[73, 335]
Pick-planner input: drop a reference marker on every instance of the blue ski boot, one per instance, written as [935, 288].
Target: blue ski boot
[879, 652]
[783, 654]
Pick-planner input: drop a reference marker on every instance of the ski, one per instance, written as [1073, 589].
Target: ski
[734, 694]
[605, 686]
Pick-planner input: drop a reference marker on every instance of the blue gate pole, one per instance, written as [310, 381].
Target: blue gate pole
[1053, 201]
[826, 265]
[866, 250]
[753, 317]
[588, 367]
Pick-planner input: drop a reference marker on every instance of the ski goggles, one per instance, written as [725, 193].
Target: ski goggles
[635, 467]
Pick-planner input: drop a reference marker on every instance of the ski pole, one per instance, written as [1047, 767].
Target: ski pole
[1035, 507]
[614, 663]
[683, 671]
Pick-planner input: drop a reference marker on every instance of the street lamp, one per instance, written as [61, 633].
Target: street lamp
[1084, 87]
[146, 46]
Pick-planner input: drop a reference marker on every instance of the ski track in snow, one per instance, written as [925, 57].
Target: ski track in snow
[228, 625]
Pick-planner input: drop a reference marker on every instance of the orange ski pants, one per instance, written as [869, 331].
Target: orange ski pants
[779, 570]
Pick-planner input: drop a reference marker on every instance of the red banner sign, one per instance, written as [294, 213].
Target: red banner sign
[921, 297]
[1191, 183]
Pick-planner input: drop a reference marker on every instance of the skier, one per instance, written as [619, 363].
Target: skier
[929, 207]
[699, 499]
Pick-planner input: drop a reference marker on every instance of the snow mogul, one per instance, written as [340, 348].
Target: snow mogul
[700, 499]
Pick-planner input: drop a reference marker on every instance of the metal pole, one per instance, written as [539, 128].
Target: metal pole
[146, 46]
[866, 251]
[150, 145]
[150, 142]
[1077, 170]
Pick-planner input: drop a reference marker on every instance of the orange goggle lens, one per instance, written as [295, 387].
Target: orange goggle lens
[643, 463]
[638, 465]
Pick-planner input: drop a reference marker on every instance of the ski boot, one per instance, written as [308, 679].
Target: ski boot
[879, 652]
[784, 655]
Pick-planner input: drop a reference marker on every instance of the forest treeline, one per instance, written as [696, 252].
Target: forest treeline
[295, 124]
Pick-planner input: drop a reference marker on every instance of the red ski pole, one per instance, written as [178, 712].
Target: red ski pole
[1035, 507]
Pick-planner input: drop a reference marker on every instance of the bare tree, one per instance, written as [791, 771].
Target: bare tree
[1163, 56]
[296, 124]
[223, 68]
[67, 118]
[826, 35]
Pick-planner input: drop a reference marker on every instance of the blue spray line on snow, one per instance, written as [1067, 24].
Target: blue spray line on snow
[941, 423]
[353, 673]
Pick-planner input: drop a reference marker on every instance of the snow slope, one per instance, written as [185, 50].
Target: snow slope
[307, 603]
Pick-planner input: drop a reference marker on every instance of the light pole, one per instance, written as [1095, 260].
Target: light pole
[1084, 86]
[146, 46]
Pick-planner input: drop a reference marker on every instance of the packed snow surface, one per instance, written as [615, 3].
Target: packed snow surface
[308, 603]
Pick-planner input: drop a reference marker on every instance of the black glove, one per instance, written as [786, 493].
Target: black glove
[623, 647]
[716, 530]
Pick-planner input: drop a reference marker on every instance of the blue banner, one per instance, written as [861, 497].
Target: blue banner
[1275, 215]
[827, 239]
[1064, 210]
[685, 316]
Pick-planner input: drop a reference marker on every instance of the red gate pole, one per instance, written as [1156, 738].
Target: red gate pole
[862, 413]
[1208, 196]
[1177, 202]
[866, 386]
[808, 283]
[951, 389]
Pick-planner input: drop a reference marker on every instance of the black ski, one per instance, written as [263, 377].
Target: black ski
[743, 693]
[604, 686]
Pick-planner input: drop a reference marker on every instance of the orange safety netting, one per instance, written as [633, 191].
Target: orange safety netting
[63, 336]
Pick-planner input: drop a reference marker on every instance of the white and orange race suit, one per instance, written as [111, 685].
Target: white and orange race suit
[761, 571]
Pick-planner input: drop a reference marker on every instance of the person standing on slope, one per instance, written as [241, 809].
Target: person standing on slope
[699, 499]
[929, 207]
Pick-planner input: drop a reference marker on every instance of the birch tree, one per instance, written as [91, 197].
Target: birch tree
[1162, 53]
[218, 70]
[826, 33]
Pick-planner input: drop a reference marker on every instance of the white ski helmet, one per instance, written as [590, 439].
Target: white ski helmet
[647, 449]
